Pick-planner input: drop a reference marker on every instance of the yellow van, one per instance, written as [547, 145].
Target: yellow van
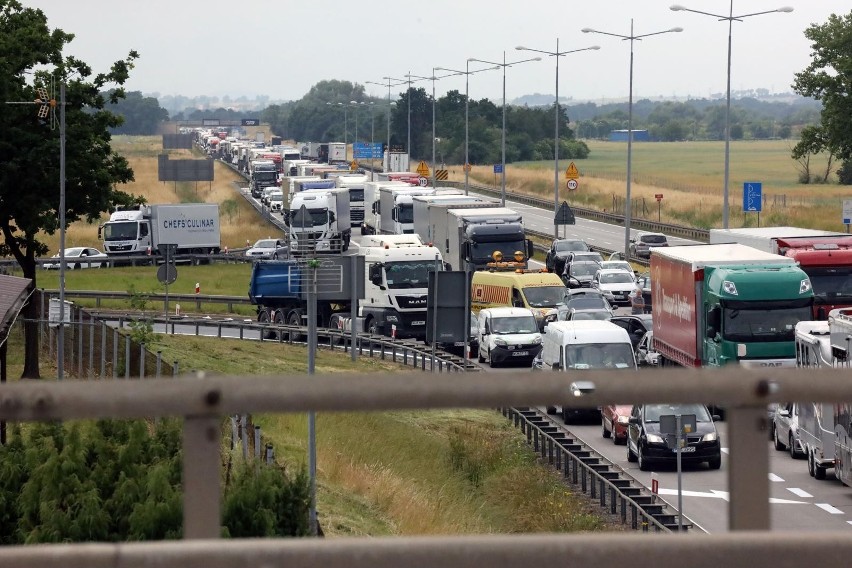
[539, 291]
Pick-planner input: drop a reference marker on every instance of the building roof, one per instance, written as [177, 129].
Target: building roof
[13, 294]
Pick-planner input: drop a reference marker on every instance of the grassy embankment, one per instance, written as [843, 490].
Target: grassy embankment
[690, 177]
[399, 473]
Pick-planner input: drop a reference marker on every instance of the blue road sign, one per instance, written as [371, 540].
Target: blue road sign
[364, 151]
[752, 196]
[498, 168]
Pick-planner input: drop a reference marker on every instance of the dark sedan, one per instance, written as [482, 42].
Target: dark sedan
[647, 445]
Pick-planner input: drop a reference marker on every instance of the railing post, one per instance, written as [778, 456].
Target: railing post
[142, 361]
[104, 329]
[126, 356]
[748, 463]
[201, 495]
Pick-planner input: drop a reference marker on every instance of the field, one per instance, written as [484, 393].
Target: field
[690, 176]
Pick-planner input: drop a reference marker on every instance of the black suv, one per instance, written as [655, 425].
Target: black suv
[647, 445]
[559, 251]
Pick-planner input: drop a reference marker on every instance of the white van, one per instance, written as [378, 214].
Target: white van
[579, 345]
[508, 334]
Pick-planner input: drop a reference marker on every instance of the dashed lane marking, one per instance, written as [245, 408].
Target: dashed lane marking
[829, 509]
[799, 492]
[775, 478]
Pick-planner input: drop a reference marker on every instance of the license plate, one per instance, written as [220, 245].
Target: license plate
[686, 449]
[418, 323]
[520, 353]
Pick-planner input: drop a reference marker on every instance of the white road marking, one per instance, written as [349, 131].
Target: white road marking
[724, 450]
[715, 494]
[775, 478]
[849, 522]
[799, 492]
[829, 509]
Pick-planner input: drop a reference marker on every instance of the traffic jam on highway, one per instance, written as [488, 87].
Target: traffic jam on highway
[757, 298]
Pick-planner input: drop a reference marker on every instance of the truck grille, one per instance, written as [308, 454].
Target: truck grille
[411, 302]
[356, 215]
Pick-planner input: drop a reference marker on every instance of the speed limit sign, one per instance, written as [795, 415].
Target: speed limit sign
[572, 184]
[423, 181]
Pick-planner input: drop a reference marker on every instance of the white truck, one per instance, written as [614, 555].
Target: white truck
[396, 208]
[476, 238]
[578, 345]
[372, 206]
[354, 183]
[420, 209]
[323, 226]
[397, 271]
[192, 227]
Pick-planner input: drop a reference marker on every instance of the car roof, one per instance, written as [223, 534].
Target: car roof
[613, 271]
[507, 311]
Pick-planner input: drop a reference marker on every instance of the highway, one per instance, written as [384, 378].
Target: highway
[798, 501]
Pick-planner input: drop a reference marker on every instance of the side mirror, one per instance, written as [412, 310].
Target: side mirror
[633, 420]
[465, 250]
[711, 332]
[487, 328]
[530, 249]
[716, 418]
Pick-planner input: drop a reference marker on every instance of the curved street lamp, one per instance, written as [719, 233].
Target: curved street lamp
[627, 206]
[730, 18]
[556, 54]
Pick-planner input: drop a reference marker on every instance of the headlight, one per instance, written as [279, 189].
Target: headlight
[623, 419]
[536, 341]
[500, 342]
[805, 286]
[653, 439]
[711, 437]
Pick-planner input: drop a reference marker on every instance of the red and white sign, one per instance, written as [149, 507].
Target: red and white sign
[423, 181]
[658, 196]
[197, 287]
[572, 184]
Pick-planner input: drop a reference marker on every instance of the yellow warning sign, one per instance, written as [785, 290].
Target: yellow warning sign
[423, 169]
[572, 172]
[353, 165]
[467, 167]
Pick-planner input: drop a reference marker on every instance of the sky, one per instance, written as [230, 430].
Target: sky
[281, 48]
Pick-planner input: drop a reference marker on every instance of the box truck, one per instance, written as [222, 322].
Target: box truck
[372, 206]
[318, 221]
[193, 228]
[420, 209]
[722, 304]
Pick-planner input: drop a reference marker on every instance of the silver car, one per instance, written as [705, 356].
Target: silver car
[786, 428]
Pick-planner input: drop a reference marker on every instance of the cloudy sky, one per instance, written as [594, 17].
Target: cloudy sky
[281, 48]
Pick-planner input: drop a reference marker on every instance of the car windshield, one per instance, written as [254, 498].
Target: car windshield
[587, 257]
[120, 231]
[601, 315]
[653, 239]
[409, 274]
[583, 269]
[617, 265]
[654, 411]
[545, 296]
[264, 244]
[616, 278]
[762, 325]
[514, 324]
[564, 246]
[599, 356]
[588, 302]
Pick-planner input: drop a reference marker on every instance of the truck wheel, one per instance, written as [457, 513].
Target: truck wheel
[295, 319]
[263, 318]
[811, 471]
[373, 327]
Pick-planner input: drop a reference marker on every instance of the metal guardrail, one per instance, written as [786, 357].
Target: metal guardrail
[582, 469]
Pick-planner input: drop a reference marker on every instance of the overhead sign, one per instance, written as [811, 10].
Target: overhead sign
[367, 151]
[396, 148]
[564, 215]
[572, 184]
[250, 122]
[847, 211]
[422, 169]
[572, 172]
[752, 196]
[498, 168]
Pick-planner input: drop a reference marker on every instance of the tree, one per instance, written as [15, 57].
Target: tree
[29, 168]
[142, 115]
[827, 79]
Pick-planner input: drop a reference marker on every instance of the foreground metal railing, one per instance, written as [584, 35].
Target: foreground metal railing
[203, 401]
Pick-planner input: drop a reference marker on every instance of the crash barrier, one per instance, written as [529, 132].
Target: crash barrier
[203, 401]
[583, 469]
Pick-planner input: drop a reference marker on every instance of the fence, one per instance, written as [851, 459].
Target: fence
[204, 401]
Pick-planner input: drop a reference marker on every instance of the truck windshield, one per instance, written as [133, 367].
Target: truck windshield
[762, 325]
[405, 213]
[409, 274]
[599, 356]
[312, 218]
[481, 251]
[832, 285]
[514, 324]
[544, 296]
[265, 176]
[120, 231]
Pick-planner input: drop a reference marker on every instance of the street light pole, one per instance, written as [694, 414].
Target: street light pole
[389, 84]
[628, 210]
[467, 73]
[730, 18]
[503, 137]
[433, 78]
[556, 54]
